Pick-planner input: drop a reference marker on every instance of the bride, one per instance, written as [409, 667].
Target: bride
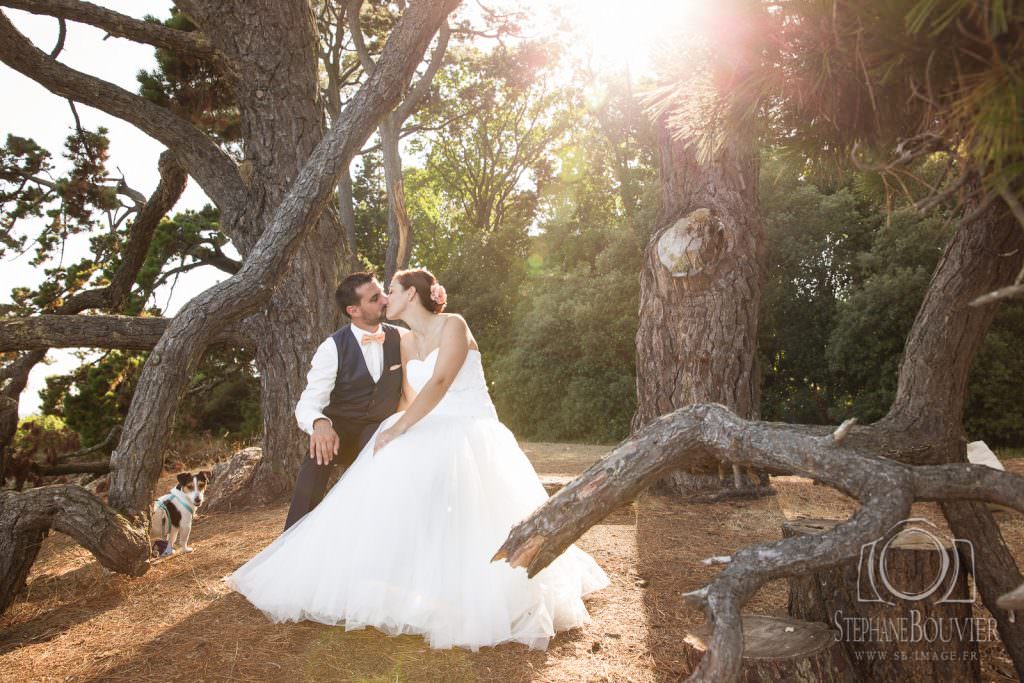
[403, 541]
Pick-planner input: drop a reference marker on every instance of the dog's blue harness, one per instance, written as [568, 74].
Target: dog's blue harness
[162, 502]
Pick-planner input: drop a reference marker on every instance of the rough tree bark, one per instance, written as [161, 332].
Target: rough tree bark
[700, 295]
[273, 215]
[72, 510]
[282, 122]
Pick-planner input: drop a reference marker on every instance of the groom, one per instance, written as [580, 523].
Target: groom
[354, 383]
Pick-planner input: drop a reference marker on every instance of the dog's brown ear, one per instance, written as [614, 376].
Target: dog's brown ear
[184, 478]
[205, 474]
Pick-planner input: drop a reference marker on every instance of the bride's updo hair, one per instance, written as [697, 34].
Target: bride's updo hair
[431, 293]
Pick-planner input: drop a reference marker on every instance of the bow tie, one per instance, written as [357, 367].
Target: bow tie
[379, 338]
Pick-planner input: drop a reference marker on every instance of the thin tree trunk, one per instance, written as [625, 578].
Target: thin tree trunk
[17, 379]
[347, 216]
[399, 246]
[700, 294]
[399, 226]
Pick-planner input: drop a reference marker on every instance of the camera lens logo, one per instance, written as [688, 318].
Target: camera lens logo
[874, 583]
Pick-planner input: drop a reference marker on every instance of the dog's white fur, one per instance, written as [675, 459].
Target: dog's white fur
[192, 489]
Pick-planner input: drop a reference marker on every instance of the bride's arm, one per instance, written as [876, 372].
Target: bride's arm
[408, 395]
[450, 357]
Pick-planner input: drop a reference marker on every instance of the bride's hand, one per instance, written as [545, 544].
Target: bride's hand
[384, 438]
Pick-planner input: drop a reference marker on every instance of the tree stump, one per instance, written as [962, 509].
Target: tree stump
[903, 609]
[780, 649]
[233, 479]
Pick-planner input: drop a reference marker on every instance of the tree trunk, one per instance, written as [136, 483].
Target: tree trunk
[985, 254]
[779, 649]
[16, 379]
[700, 294]
[302, 314]
[848, 596]
[282, 121]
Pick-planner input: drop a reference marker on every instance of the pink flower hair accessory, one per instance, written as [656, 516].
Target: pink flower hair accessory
[437, 294]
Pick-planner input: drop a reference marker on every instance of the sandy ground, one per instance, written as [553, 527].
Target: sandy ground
[77, 622]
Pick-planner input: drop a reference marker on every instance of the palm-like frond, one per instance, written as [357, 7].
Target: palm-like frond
[882, 84]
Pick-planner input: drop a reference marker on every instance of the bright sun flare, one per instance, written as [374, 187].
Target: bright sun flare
[624, 34]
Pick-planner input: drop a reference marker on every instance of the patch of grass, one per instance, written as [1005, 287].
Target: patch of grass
[369, 656]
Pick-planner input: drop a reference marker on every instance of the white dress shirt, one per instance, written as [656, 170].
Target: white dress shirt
[323, 370]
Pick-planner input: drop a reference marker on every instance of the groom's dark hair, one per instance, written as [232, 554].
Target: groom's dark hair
[345, 295]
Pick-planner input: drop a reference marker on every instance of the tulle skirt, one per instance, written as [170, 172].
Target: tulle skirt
[404, 539]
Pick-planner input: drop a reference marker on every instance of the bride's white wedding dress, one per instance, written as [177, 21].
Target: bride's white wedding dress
[403, 541]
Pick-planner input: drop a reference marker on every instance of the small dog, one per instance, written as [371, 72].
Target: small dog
[172, 513]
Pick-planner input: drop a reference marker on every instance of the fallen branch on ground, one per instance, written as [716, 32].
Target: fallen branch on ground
[885, 488]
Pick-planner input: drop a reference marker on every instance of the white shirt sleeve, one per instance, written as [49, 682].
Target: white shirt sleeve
[323, 370]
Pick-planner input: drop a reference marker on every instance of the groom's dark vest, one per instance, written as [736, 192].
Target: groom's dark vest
[356, 397]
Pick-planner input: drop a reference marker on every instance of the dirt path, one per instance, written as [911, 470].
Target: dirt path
[76, 622]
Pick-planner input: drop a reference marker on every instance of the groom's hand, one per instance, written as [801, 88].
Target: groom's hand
[323, 442]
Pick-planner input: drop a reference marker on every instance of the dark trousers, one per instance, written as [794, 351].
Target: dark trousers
[311, 483]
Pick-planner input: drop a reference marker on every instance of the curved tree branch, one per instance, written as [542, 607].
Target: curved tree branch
[749, 569]
[960, 481]
[116, 24]
[51, 330]
[886, 489]
[108, 442]
[205, 161]
[71, 510]
[420, 89]
[163, 199]
[216, 258]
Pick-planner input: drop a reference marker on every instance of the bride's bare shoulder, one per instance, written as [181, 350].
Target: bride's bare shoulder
[408, 342]
[448, 317]
[456, 324]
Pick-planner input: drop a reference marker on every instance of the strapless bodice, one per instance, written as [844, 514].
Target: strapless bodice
[467, 394]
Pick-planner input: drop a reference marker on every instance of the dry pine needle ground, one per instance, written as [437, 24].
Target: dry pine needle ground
[77, 622]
